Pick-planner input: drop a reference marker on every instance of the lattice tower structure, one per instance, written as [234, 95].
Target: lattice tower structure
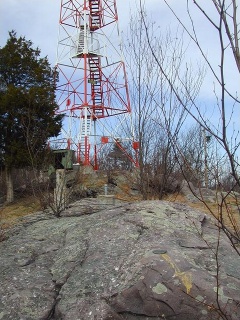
[92, 88]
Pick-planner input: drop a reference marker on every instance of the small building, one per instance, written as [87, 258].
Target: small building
[64, 159]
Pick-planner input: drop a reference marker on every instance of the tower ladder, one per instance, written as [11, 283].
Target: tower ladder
[95, 14]
[96, 89]
[85, 132]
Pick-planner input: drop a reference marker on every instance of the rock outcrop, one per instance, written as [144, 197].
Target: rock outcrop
[145, 260]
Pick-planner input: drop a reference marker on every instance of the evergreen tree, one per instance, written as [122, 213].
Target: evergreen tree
[27, 106]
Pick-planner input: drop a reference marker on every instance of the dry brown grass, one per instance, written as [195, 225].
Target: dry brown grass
[228, 211]
[125, 194]
[10, 214]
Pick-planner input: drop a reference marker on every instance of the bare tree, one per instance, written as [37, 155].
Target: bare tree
[159, 115]
[143, 85]
[217, 120]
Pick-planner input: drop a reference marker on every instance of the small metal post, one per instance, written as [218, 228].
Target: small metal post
[105, 189]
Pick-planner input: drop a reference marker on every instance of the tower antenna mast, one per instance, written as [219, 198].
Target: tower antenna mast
[92, 91]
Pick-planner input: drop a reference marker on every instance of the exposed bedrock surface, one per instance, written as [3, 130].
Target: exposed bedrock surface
[145, 260]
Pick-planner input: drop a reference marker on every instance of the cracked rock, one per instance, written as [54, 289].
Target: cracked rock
[145, 260]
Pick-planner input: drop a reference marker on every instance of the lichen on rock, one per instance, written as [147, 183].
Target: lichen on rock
[124, 261]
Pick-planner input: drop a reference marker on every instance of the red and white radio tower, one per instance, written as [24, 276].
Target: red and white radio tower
[92, 86]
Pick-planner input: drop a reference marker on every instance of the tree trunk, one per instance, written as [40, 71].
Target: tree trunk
[9, 185]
